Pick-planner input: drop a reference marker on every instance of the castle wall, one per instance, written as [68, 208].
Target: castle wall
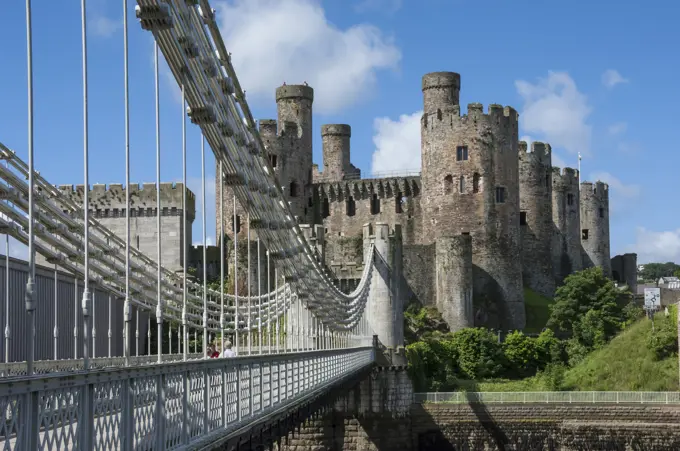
[536, 222]
[470, 174]
[107, 205]
[566, 212]
[595, 226]
[624, 270]
[343, 208]
[454, 281]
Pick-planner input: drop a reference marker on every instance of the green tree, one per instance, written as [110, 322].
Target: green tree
[479, 354]
[550, 349]
[521, 354]
[582, 292]
[654, 271]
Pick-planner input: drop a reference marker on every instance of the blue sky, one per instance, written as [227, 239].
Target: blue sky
[595, 77]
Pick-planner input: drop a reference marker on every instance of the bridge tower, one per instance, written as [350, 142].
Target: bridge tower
[535, 218]
[470, 177]
[385, 309]
[595, 226]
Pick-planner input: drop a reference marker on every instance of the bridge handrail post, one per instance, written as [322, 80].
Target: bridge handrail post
[160, 413]
[32, 425]
[185, 406]
[85, 417]
[206, 400]
[127, 416]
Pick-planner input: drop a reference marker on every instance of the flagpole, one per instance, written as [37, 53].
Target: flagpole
[579, 168]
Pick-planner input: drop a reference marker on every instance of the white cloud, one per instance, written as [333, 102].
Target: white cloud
[385, 6]
[618, 128]
[103, 26]
[620, 194]
[556, 111]
[653, 247]
[397, 143]
[99, 22]
[630, 148]
[611, 78]
[275, 41]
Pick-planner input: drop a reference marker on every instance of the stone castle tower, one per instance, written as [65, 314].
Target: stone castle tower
[471, 185]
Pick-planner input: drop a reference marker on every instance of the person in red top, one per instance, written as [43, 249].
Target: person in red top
[212, 352]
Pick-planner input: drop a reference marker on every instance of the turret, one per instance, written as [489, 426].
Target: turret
[470, 174]
[595, 225]
[441, 91]
[453, 275]
[535, 218]
[294, 106]
[566, 215]
[336, 148]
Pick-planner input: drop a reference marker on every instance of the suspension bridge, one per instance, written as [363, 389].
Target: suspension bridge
[297, 336]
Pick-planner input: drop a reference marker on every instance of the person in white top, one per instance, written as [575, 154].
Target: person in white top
[228, 352]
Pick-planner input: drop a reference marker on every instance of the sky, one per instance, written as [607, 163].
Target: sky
[599, 78]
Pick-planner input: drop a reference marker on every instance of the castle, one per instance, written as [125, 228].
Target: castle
[486, 217]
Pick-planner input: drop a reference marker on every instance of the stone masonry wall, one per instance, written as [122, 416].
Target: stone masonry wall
[536, 221]
[529, 427]
[107, 205]
[595, 226]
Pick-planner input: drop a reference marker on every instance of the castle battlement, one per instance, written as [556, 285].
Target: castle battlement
[364, 188]
[269, 129]
[336, 130]
[113, 196]
[496, 115]
[540, 154]
[596, 188]
[565, 176]
[295, 92]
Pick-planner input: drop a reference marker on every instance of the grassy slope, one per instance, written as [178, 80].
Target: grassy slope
[537, 310]
[625, 363]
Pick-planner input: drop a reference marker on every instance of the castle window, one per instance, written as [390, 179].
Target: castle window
[137, 242]
[236, 223]
[570, 199]
[461, 185]
[375, 205]
[522, 218]
[547, 180]
[584, 234]
[601, 212]
[310, 203]
[500, 194]
[448, 184]
[325, 208]
[350, 206]
[475, 183]
[272, 160]
[399, 203]
[461, 153]
[293, 189]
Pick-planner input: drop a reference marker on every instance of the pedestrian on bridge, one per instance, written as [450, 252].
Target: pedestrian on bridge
[228, 352]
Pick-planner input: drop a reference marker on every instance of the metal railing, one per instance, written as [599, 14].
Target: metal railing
[566, 397]
[169, 406]
[385, 174]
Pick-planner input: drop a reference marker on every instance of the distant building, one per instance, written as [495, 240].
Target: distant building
[672, 283]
